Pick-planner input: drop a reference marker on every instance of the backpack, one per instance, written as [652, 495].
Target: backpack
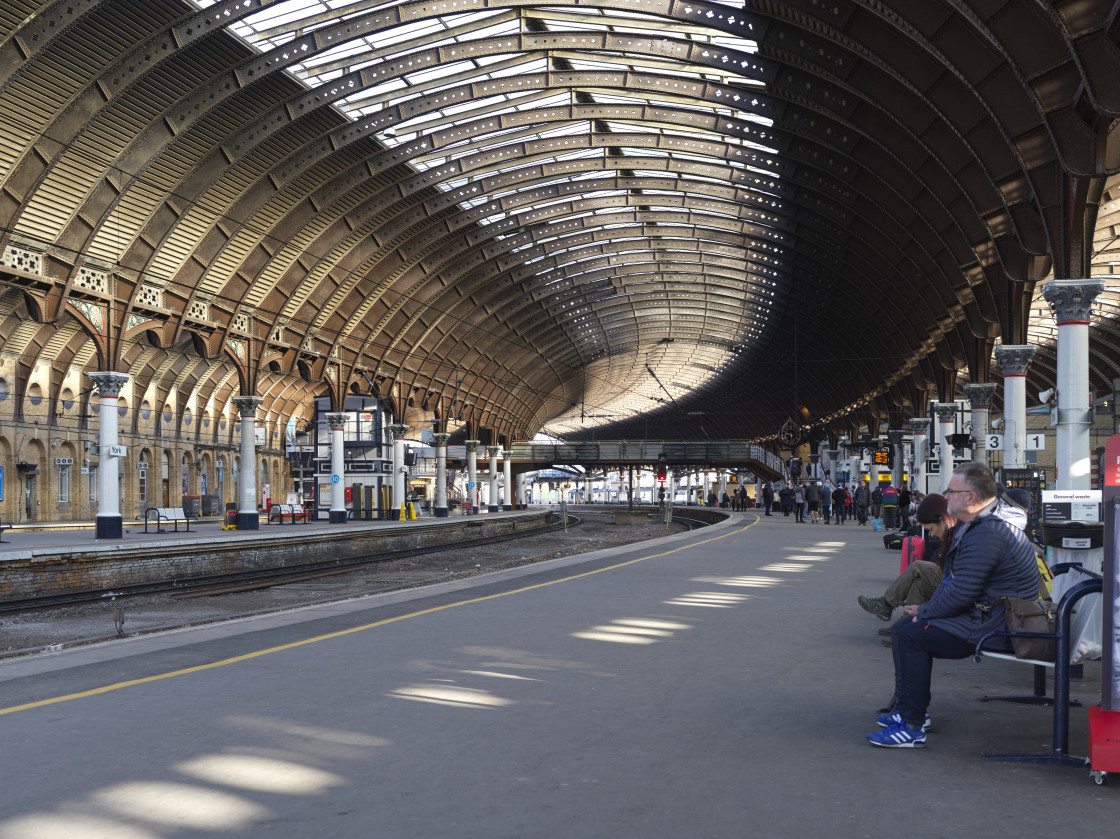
[913, 549]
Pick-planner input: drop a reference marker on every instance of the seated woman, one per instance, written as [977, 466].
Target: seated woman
[916, 584]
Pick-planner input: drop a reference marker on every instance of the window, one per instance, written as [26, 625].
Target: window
[64, 484]
[143, 487]
[92, 485]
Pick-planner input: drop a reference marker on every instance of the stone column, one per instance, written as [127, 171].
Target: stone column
[522, 500]
[248, 518]
[921, 450]
[492, 452]
[472, 474]
[1072, 303]
[440, 508]
[833, 467]
[979, 396]
[399, 511]
[337, 425]
[947, 418]
[1013, 362]
[507, 471]
[110, 523]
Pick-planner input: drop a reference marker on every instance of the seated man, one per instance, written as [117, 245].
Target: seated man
[986, 560]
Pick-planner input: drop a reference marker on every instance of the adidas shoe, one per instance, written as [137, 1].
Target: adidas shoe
[878, 606]
[898, 736]
[894, 718]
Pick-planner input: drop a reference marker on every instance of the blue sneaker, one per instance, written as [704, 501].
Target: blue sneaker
[898, 736]
[894, 718]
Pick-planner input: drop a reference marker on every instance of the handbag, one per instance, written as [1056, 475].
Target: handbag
[1031, 616]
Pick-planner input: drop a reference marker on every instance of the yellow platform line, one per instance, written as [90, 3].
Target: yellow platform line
[225, 662]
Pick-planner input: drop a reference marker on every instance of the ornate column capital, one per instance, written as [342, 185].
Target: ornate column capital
[833, 454]
[493, 451]
[441, 439]
[1014, 359]
[920, 425]
[397, 429]
[1071, 301]
[947, 413]
[247, 405]
[337, 422]
[472, 445]
[980, 394]
[108, 384]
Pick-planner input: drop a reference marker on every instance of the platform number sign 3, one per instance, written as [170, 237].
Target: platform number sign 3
[994, 442]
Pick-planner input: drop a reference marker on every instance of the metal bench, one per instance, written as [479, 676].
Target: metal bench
[292, 511]
[166, 514]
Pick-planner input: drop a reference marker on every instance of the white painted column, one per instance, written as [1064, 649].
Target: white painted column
[979, 396]
[507, 472]
[440, 440]
[110, 523]
[921, 450]
[1072, 303]
[337, 425]
[522, 500]
[472, 474]
[399, 511]
[248, 517]
[1014, 361]
[833, 464]
[492, 452]
[947, 418]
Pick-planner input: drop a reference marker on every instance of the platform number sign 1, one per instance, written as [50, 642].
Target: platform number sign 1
[1036, 442]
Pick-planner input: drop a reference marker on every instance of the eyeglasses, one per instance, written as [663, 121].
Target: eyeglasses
[951, 491]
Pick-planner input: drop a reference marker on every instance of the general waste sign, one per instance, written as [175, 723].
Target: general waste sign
[1071, 505]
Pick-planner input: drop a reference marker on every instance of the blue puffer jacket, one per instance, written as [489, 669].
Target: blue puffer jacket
[988, 559]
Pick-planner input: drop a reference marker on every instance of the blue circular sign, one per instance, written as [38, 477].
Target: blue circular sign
[334, 479]
[470, 484]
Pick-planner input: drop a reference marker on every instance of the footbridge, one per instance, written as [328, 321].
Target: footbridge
[714, 454]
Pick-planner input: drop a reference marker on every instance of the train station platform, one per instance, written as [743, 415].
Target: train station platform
[717, 683]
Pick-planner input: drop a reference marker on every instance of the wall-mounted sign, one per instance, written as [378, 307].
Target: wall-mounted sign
[64, 461]
[1036, 442]
[993, 442]
[117, 451]
[142, 465]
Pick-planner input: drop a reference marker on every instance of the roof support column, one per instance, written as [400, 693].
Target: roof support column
[399, 511]
[947, 418]
[979, 396]
[337, 425]
[1072, 303]
[493, 452]
[110, 524]
[507, 470]
[921, 449]
[472, 475]
[441, 474]
[248, 518]
[1014, 361]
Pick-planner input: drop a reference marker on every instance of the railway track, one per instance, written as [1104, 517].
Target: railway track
[209, 586]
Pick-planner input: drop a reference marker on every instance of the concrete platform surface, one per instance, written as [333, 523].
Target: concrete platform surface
[713, 684]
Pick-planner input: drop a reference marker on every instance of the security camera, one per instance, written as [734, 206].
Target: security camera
[1046, 395]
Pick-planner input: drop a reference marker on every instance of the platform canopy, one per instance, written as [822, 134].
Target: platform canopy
[648, 218]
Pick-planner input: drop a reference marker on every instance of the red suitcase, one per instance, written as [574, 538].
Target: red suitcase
[913, 547]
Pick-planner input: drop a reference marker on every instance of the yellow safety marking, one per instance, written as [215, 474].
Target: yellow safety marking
[248, 656]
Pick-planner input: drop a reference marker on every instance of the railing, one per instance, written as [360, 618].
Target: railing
[645, 452]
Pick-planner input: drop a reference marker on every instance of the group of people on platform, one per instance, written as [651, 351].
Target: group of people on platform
[975, 553]
[818, 501]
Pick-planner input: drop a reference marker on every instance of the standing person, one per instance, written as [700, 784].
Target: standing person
[786, 497]
[839, 499]
[826, 503]
[767, 496]
[890, 507]
[799, 502]
[876, 502]
[861, 502]
[813, 501]
[904, 510]
[986, 561]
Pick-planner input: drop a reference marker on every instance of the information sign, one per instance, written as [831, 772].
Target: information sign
[1036, 442]
[118, 451]
[993, 442]
[1071, 505]
[334, 479]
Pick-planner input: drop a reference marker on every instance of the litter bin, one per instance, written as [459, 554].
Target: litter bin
[231, 516]
[211, 506]
[192, 505]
